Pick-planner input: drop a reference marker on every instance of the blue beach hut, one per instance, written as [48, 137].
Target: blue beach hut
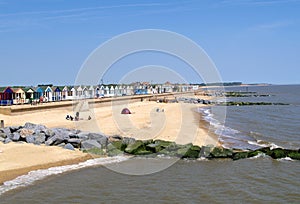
[6, 96]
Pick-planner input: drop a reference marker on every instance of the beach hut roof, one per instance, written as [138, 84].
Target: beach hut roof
[48, 89]
[29, 89]
[39, 89]
[18, 90]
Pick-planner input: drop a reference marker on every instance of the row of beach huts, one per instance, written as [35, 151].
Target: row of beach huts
[50, 93]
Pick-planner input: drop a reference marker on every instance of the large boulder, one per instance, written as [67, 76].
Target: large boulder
[278, 153]
[89, 144]
[118, 144]
[39, 138]
[14, 128]
[56, 140]
[101, 139]
[24, 132]
[7, 140]
[113, 151]
[3, 135]
[220, 152]
[192, 152]
[15, 136]
[240, 155]
[128, 140]
[37, 128]
[135, 147]
[69, 147]
[75, 142]
[294, 154]
[30, 139]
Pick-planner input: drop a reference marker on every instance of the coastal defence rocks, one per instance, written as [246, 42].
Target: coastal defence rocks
[99, 144]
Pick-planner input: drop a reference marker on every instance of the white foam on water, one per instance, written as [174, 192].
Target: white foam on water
[36, 175]
[285, 159]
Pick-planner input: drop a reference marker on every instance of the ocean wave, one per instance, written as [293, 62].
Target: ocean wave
[36, 175]
[232, 138]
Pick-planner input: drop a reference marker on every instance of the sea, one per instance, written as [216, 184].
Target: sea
[254, 180]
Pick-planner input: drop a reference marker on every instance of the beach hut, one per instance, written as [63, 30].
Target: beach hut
[85, 92]
[48, 94]
[79, 92]
[29, 94]
[56, 93]
[106, 91]
[6, 96]
[19, 96]
[65, 93]
[38, 93]
[92, 91]
[112, 91]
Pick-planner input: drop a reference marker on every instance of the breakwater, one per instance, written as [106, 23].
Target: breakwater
[99, 144]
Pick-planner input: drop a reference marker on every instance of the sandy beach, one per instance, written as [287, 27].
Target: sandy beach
[177, 122]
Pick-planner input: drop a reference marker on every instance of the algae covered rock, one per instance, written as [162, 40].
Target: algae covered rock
[220, 152]
[278, 153]
[133, 148]
[240, 155]
[192, 152]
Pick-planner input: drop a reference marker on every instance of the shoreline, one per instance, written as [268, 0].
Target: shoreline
[8, 175]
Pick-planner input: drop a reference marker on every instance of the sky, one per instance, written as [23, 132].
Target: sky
[48, 41]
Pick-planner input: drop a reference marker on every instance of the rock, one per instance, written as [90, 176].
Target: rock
[119, 145]
[75, 142]
[101, 139]
[62, 145]
[7, 140]
[73, 136]
[39, 138]
[89, 144]
[155, 148]
[83, 135]
[3, 135]
[115, 138]
[143, 152]
[24, 132]
[294, 155]
[205, 151]
[240, 155]
[15, 136]
[30, 139]
[192, 152]
[69, 147]
[278, 153]
[54, 140]
[37, 128]
[14, 128]
[163, 143]
[220, 152]
[133, 148]
[181, 152]
[6, 130]
[29, 126]
[49, 133]
[128, 140]
[114, 152]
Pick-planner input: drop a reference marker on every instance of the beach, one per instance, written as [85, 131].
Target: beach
[178, 122]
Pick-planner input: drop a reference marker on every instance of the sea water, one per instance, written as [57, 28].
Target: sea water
[256, 180]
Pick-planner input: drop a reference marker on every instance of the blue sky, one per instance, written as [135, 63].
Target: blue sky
[47, 41]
